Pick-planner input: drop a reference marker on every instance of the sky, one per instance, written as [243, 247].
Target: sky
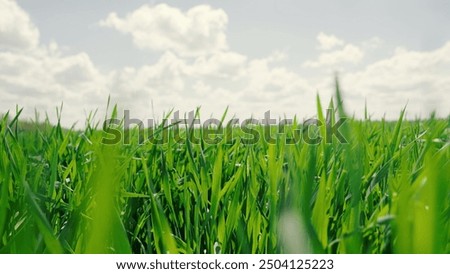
[251, 56]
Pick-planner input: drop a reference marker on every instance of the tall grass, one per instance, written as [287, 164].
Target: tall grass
[386, 190]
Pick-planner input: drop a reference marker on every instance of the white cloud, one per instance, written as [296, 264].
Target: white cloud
[187, 75]
[16, 29]
[227, 65]
[417, 78]
[215, 82]
[37, 76]
[328, 42]
[349, 54]
[42, 81]
[271, 80]
[198, 31]
[334, 52]
[43, 77]
[74, 70]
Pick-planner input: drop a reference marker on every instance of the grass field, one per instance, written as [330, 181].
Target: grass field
[386, 190]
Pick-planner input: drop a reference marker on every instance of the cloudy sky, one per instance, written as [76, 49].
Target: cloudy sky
[252, 56]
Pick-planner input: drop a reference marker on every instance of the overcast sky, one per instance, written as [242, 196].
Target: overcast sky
[252, 56]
